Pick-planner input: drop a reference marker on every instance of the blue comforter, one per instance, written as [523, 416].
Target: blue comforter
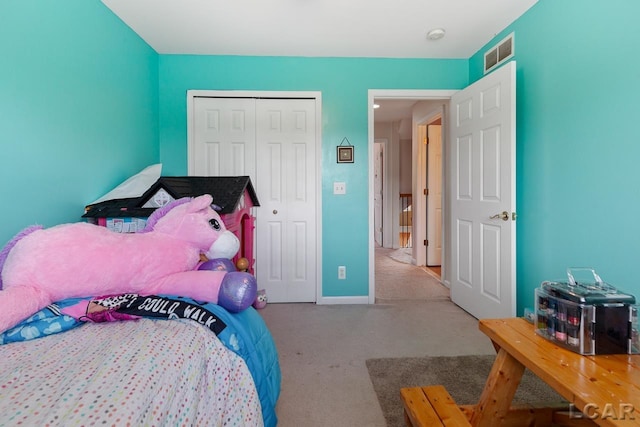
[245, 334]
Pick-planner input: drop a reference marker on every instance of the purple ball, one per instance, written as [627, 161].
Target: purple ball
[218, 264]
[237, 291]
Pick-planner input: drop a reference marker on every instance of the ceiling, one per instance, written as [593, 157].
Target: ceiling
[326, 28]
[321, 28]
[391, 110]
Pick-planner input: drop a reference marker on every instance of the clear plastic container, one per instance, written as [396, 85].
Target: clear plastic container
[587, 317]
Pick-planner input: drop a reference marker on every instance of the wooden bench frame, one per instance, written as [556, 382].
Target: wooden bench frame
[433, 406]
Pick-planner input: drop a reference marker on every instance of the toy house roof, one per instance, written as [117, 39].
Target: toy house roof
[117, 208]
[227, 192]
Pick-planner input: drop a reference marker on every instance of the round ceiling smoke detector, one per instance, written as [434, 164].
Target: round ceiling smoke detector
[435, 34]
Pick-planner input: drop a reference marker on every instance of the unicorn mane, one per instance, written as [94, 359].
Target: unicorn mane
[160, 212]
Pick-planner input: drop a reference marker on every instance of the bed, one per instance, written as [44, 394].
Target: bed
[156, 366]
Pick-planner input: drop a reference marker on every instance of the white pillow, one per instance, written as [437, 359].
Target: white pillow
[134, 186]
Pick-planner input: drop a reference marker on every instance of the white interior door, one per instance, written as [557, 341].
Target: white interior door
[286, 187]
[482, 187]
[434, 195]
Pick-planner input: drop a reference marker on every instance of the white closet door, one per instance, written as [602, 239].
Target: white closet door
[225, 137]
[286, 186]
[229, 134]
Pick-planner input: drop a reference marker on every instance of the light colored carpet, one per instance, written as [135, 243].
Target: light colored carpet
[402, 255]
[397, 279]
[323, 348]
[462, 376]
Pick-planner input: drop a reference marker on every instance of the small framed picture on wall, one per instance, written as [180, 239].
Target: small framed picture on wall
[345, 154]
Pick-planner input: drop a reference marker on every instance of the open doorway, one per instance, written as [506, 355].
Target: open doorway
[427, 109]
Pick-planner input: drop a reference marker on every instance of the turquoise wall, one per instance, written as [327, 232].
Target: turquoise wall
[85, 103]
[78, 109]
[344, 83]
[578, 180]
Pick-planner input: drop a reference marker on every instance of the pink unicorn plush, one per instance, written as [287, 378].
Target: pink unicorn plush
[42, 266]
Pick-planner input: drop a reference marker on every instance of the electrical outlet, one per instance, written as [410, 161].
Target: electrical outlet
[342, 272]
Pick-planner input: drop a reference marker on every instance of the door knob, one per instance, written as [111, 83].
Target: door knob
[275, 212]
[503, 216]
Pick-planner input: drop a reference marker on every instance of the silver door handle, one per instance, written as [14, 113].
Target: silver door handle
[503, 216]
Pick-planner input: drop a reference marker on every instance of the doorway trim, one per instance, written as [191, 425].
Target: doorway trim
[315, 95]
[418, 95]
[420, 251]
[384, 205]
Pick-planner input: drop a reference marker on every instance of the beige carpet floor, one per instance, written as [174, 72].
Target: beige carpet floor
[397, 279]
[323, 348]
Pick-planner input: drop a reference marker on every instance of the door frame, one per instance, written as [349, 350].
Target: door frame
[419, 230]
[418, 95]
[428, 200]
[317, 96]
[385, 221]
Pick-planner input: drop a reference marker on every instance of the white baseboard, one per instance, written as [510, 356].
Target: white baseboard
[343, 300]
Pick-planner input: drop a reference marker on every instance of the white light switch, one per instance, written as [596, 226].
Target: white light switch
[339, 188]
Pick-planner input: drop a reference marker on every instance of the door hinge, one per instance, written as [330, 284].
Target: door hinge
[426, 242]
[425, 191]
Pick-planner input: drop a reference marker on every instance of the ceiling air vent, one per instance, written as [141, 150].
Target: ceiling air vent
[498, 54]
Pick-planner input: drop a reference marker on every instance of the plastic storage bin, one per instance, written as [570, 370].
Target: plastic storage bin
[587, 317]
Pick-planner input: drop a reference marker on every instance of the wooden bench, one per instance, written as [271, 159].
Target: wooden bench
[434, 406]
[431, 406]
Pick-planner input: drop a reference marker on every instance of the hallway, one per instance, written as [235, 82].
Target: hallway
[399, 280]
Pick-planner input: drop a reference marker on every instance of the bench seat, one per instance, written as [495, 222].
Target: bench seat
[431, 406]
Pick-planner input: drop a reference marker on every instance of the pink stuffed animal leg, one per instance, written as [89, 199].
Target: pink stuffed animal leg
[198, 285]
[18, 303]
[233, 290]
